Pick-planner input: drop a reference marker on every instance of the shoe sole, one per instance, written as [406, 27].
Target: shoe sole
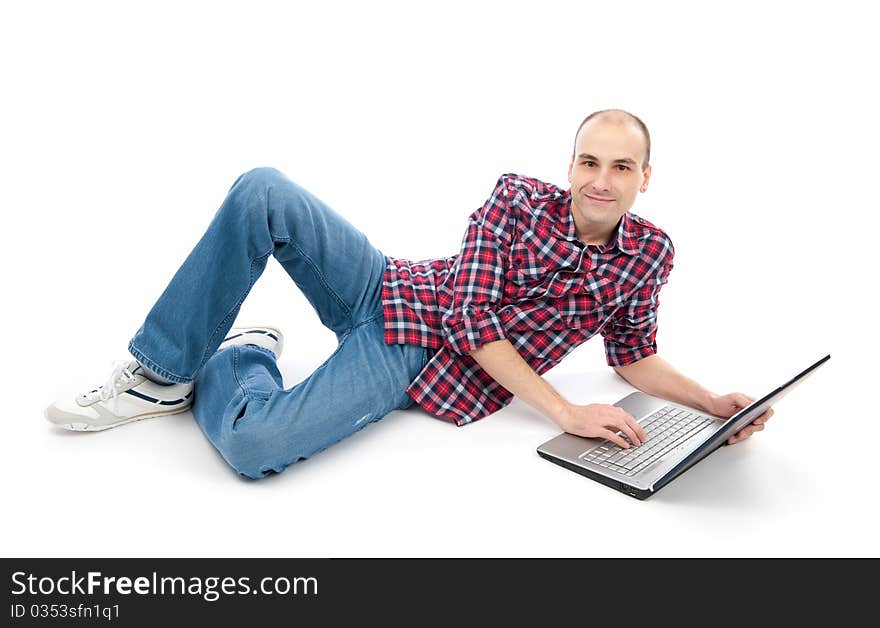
[77, 426]
[274, 330]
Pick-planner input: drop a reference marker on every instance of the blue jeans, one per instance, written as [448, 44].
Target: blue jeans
[239, 401]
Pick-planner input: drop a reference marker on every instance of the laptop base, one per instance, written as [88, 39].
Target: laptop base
[632, 491]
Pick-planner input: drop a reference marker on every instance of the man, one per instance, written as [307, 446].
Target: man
[540, 271]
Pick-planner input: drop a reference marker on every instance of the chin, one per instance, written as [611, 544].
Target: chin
[597, 214]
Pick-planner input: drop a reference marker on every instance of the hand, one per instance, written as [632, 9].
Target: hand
[728, 405]
[602, 421]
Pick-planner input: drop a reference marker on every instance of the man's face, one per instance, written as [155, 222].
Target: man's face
[606, 173]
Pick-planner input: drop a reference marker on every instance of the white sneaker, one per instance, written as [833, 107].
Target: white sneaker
[267, 337]
[126, 396]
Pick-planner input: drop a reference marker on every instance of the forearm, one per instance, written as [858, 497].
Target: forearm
[657, 377]
[507, 367]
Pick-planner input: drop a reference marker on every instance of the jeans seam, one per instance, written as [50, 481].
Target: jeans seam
[321, 278]
[244, 389]
[367, 321]
[158, 370]
[235, 308]
[238, 381]
[289, 240]
[163, 372]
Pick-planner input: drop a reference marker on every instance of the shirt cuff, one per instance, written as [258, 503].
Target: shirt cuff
[472, 331]
[618, 355]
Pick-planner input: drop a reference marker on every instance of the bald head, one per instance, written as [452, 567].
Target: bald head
[620, 117]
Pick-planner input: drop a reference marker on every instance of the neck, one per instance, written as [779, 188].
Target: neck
[597, 233]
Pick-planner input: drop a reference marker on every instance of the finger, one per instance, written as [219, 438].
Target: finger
[764, 417]
[616, 421]
[748, 431]
[614, 438]
[636, 427]
[629, 432]
[741, 400]
[627, 424]
[737, 438]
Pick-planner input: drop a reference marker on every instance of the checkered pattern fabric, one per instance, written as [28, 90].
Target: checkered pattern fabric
[522, 274]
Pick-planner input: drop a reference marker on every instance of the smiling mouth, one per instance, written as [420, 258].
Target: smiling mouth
[598, 199]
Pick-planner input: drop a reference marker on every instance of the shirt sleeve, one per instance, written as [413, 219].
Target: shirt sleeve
[631, 334]
[478, 284]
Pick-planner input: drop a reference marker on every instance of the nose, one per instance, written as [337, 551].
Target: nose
[600, 183]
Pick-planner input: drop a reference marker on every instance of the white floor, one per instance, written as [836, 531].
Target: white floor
[117, 150]
[413, 485]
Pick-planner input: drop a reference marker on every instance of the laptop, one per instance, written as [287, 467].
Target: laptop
[678, 438]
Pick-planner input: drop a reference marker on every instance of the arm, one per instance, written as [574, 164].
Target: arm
[655, 376]
[505, 365]
[631, 349]
[478, 284]
[473, 328]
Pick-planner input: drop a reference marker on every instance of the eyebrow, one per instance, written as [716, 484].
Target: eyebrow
[625, 160]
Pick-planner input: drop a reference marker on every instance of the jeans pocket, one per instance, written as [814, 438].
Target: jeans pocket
[250, 405]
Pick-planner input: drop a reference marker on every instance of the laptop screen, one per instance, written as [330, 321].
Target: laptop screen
[738, 421]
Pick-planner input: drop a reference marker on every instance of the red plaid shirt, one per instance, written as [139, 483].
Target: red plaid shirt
[523, 275]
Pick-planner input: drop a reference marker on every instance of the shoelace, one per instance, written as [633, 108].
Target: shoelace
[120, 375]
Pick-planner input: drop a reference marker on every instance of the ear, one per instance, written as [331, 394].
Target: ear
[570, 165]
[647, 176]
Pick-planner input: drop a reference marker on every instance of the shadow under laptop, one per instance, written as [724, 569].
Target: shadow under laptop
[740, 477]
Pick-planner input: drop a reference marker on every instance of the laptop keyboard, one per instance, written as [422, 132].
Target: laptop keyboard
[666, 429]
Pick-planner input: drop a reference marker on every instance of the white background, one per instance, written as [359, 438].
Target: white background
[124, 125]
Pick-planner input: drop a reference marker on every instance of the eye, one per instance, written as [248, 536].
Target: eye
[622, 167]
[588, 163]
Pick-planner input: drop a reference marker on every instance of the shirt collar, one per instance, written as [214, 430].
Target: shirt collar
[625, 239]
